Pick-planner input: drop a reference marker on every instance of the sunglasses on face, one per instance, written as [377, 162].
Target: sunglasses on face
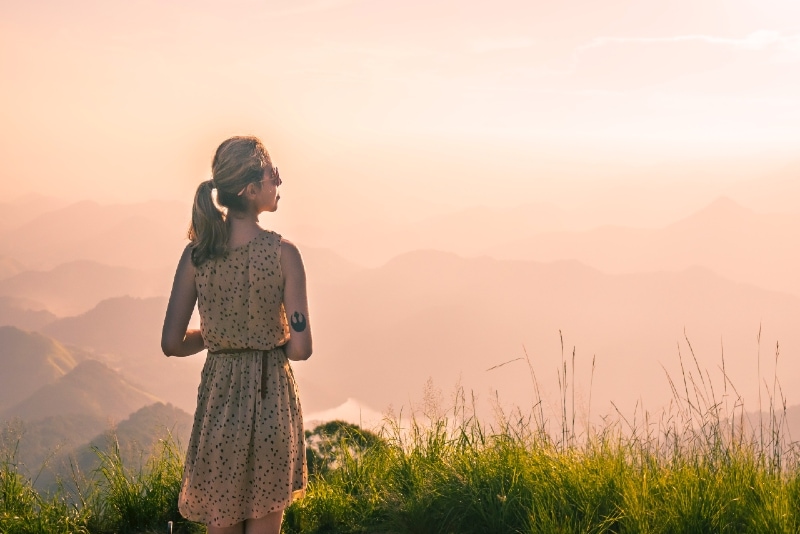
[274, 179]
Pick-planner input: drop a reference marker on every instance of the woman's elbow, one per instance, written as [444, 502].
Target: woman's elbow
[169, 347]
[296, 353]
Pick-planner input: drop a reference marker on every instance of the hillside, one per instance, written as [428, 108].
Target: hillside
[73, 288]
[429, 314]
[39, 443]
[466, 232]
[29, 360]
[136, 436]
[125, 333]
[146, 235]
[91, 388]
[9, 267]
[23, 314]
[118, 325]
[724, 237]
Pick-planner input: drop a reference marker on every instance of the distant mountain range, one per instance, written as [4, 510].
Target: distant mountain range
[68, 447]
[54, 399]
[624, 295]
[42, 378]
[29, 361]
[10, 267]
[90, 388]
[24, 313]
[125, 333]
[76, 287]
[724, 237]
[149, 235]
[432, 314]
[23, 210]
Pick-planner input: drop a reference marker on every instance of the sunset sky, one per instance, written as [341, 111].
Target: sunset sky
[416, 106]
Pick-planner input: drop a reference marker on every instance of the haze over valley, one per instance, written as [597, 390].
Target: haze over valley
[628, 301]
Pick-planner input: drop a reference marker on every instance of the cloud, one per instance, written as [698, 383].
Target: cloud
[508, 43]
[315, 6]
[785, 46]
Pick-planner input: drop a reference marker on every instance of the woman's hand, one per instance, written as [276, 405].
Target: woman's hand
[176, 339]
[295, 303]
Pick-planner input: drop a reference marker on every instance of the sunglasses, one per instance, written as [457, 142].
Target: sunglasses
[274, 179]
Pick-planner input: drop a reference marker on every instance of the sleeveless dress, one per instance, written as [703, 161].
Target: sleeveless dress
[246, 455]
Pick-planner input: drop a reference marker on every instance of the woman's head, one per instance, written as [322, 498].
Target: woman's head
[239, 162]
[245, 180]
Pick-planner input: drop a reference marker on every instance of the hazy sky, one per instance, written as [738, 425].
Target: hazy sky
[368, 103]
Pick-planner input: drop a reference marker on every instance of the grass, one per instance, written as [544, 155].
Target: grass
[699, 467]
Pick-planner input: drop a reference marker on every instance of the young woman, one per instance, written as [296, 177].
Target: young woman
[246, 457]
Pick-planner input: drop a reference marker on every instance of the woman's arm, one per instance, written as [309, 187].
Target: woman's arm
[295, 302]
[176, 340]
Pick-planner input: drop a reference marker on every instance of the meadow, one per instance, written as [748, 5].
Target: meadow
[702, 465]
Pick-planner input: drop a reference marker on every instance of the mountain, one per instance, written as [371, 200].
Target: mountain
[9, 267]
[325, 267]
[125, 333]
[724, 237]
[22, 210]
[29, 360]
[466, 232]
[75, 287]
[146, 235]
[65, 447]
[90, 388]
[380, 335]
[125, 326]
[38, 443]
[23, 314]
[137, 436]
[776, 191]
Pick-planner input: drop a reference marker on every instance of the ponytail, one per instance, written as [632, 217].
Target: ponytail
[208, 231]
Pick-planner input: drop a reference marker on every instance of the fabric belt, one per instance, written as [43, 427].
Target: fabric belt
[264, 371]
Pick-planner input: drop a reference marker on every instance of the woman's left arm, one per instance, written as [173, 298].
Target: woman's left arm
[176, 339]
[295, 303]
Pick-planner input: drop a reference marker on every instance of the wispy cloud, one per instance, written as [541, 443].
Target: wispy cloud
[508, 43]
[761, 40]
[314, 6]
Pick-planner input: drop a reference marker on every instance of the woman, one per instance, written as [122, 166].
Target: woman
[246, 458]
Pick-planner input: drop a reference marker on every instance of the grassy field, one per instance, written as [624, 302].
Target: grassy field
[698, 468]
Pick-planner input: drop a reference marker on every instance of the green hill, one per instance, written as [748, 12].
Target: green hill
[29, 360]
[39, 443]
[136, 436]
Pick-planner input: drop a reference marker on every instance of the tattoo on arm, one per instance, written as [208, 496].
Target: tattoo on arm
[298, 322]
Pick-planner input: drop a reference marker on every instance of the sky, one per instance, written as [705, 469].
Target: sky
[372, 107]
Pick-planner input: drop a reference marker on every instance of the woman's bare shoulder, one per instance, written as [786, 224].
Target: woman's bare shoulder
[288, 246]
[290, 255]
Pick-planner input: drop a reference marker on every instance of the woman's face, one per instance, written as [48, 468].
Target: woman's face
[268, 196]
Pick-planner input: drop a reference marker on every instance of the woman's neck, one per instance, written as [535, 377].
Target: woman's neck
[245, 218]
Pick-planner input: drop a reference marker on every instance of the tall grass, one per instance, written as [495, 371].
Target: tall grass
[114, 498]
[699, 466]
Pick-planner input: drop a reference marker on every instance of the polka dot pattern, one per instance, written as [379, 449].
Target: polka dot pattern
[246, 455]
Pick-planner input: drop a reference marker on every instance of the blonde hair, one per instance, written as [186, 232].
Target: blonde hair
[238, 162]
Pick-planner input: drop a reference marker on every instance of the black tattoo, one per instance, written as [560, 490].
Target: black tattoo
[298, 322]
